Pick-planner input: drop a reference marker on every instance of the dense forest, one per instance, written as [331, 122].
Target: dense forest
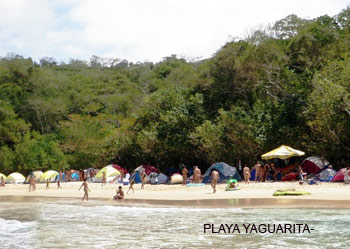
[288, 83]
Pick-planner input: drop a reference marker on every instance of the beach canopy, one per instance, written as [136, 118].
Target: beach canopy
[282, 152]
[37, 174]
[313, 164]
[2, 175]
[225, 172]
[15, 178]
[50, 174]
[110, 172]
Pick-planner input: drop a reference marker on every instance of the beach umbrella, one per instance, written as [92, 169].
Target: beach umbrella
[282, 152]
[2, 175]
[232, 181]
[15, 178]
[50, 174]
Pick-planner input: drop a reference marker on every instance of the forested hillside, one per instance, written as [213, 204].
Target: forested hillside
[286, 84]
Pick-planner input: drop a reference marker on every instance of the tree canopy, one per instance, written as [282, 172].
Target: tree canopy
[288, 83]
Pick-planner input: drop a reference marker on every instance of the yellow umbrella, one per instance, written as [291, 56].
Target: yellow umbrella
[282, 152]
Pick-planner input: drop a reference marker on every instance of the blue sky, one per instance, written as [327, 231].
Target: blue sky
[139, 30]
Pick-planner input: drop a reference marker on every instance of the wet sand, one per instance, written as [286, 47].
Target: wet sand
[323, 195]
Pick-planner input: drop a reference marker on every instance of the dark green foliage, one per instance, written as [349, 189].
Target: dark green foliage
[285, 84]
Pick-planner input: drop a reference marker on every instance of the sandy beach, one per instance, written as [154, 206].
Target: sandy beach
[250, 195]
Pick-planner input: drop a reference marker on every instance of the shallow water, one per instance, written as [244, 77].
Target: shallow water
[51, 223]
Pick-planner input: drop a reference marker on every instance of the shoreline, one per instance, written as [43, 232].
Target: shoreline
[254, 195]
[244, 203]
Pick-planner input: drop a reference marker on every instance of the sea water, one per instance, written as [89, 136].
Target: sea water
[68, 223]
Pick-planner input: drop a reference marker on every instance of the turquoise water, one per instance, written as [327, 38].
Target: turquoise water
[98, 224]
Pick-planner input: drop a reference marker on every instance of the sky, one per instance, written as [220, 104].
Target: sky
[140, 30]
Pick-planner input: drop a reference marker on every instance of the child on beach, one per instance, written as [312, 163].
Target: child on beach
[246, 172]
[86, 190]
[120, 194]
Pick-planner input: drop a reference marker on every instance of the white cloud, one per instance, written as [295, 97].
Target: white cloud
[139, 30]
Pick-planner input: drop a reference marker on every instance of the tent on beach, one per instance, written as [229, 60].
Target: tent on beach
[37, 174]
[282, 152]
[313, 165]
[120, 169]
[339, 176]
[225, 172]
[110, 172]
[15, 178]
[50, 174]
[148, 170]
[326, 175]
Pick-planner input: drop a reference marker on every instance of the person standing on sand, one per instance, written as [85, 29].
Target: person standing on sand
[257, 172]
[32, 183]
[214, 179]
[143, 178]
[59, 177]
[86, 190]
[2, 182]
[120, 194]
[104, 178]
[196, 174]
[132, 182]
[184, 175]
[246, 173]
[48, 183]
[346, 176]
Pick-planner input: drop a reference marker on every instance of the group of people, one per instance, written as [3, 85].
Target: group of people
[262, 172]
[197, 175]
